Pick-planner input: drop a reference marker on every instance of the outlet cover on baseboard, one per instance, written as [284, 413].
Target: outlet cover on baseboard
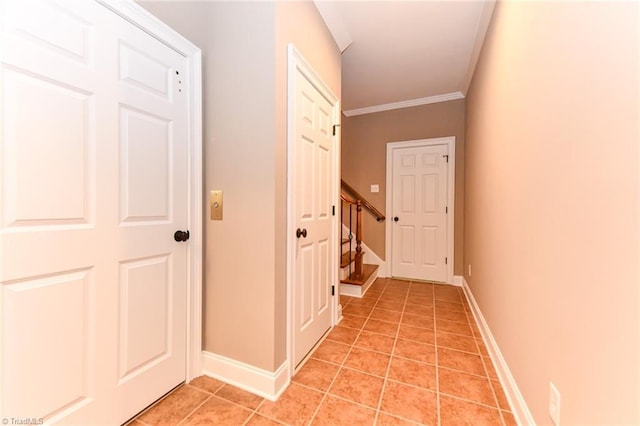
[554, 404]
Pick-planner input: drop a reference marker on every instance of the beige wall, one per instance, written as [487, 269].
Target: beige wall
[364, 156]
[244, 64]
[551, 208]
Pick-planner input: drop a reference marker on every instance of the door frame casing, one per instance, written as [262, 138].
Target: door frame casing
[295, 61]
[141, 18]
[450, 141]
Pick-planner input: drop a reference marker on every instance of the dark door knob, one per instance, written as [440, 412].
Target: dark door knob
[181, 236]
[395, 219]
[301, 233]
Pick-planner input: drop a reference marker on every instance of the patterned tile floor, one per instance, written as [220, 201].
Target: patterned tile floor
[406, 353]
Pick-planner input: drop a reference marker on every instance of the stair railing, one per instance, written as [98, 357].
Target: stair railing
[355, 206]
[366, 204]
[357, 271]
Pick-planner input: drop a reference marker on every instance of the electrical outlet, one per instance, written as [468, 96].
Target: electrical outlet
[554, 404]
[469, 271]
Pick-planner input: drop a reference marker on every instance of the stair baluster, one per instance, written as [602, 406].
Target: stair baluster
[359, 254]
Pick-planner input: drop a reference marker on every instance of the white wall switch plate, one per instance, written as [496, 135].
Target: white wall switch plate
[375, 188]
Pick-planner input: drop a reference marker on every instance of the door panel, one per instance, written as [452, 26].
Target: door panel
[144, 339]
[93, 183]
[324, 275]
[313, 183]
[430, 202]
[145, 196]
[43, 306]
[144, 72]
[57, 150]
[305, 292]
[407, 244]
[430, 245]
[419, 188]
[408, 194]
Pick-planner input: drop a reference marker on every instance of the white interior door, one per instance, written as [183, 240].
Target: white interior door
[419, 206]
[94, 181]
[313, 194]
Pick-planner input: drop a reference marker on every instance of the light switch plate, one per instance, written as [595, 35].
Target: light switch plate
[215, 203]
[375, 188]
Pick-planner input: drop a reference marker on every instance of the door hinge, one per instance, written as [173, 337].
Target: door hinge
[334, 128]
[446, 209]
[333, 290]
[446, 260]
[333, 210]
[446, 157]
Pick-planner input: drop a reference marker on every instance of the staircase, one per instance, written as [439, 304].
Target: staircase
[355, 275]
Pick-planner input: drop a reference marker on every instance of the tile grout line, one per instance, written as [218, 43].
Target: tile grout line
[153, 405]
[471, 322]
[254, 412]
[471, 401]
[378, 300]
[195, 409]
[266, 416]
[393, 348]
[486, 370]
[435, 343]
[215, 395]
[326, 392]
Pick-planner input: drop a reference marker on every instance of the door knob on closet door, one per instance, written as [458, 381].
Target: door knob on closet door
[395, 219]
[301, 233]
[181, 236]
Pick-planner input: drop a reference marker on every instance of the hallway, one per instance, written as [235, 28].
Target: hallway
[407, 353]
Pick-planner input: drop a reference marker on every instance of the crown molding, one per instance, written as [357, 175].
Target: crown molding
[404, 104]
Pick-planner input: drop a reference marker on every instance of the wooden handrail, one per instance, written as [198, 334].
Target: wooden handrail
[366, 204]
[348, 199]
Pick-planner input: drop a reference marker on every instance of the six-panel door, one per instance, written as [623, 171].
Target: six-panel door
[94, 182]
[314, 157]
[419, 196]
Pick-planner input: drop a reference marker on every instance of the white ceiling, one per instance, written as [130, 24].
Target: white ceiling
[405, 53]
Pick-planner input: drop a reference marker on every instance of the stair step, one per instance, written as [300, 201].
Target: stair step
[367, 271]
[345, 260]
[345, 241]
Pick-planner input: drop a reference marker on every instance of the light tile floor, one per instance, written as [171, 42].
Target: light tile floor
[406, 353]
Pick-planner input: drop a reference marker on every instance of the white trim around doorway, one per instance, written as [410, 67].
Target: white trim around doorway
[450, 141]
[297, 62]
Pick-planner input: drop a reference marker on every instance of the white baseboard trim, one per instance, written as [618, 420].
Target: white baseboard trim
[516, 400]
[269, 385]
[350, 290]
[357, 290]
[458, 280]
